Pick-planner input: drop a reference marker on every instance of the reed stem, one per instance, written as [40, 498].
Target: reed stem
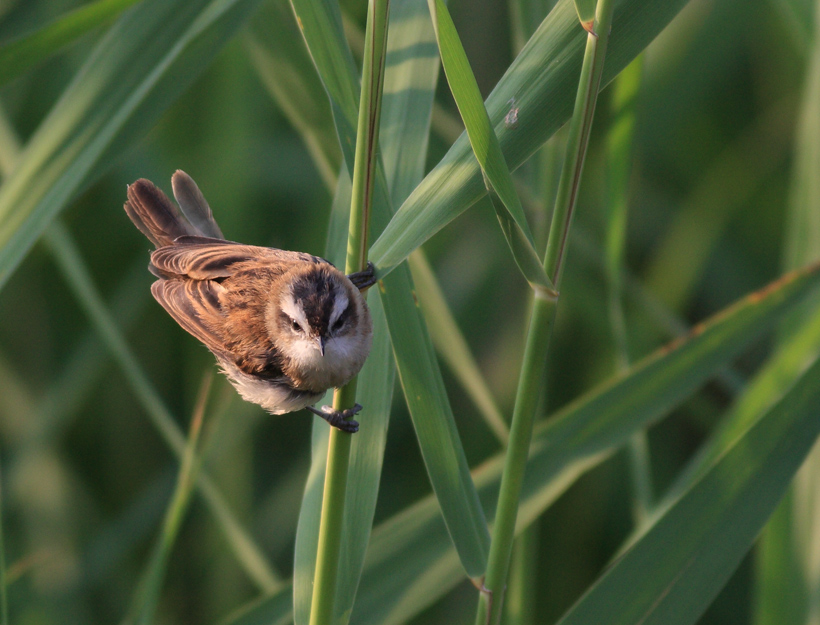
[491, 598]
[364, 172]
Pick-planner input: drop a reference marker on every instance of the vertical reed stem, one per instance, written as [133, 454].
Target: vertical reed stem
[364, 171]
[491, 598]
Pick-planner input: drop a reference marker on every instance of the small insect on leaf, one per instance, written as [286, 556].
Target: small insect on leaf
[511, 119]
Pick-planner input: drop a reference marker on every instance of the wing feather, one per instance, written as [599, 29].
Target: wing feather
[194, 305]
[201, 258]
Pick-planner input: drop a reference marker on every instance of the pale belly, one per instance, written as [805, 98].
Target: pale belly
[273, 397]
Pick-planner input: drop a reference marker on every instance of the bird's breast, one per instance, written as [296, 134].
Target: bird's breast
[343, 358]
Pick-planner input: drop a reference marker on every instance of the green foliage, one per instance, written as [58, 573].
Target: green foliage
[110, 515]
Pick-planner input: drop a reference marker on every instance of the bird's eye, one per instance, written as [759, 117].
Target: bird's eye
[338, 325]
[296, 327]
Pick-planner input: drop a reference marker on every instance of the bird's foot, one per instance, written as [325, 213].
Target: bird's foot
[339, 418]
[364, 279]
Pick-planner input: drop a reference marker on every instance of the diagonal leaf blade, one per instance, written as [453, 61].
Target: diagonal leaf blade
[537, 80]
[20, 55]
[140, 66]
[672, 574]
[486, 148]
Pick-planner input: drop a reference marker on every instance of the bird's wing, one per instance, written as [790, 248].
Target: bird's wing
[194, 304]
[197, 306]
[203, 258]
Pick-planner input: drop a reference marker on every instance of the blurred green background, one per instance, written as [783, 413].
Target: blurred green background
[85, 476]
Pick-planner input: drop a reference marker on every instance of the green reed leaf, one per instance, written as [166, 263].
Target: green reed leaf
[23, 53]
[486, 148]
[537, 80]
[411, 561]
[282, 61]
[145, 60]
[673, 572]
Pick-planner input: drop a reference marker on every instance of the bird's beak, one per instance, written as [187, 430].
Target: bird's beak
[320, 341]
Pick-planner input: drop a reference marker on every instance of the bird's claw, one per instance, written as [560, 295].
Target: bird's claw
[364, 279]
[339, 418]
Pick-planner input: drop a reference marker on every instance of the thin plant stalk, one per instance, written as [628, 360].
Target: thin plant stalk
[519, 607]
[364, 171]
[619, 165]
[147, 597]
[491, 597]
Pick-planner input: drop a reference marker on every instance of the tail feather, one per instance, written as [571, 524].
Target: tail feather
[159, 219]
[194, 205]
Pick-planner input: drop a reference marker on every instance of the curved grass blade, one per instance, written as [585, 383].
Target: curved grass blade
[538, 80]
[486, 148]
[144, 607]
[23, 53]
[438, 437]
[278, 52]
[140, 66]
[454, 487]
[406, 120]
[671, 575]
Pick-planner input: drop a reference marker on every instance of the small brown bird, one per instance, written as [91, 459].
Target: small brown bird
[284, 326]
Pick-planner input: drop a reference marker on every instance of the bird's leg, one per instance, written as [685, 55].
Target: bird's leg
[339, 418]
[364, 279]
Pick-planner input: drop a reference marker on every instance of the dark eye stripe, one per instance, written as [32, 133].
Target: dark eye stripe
[343, 317]
[285, 319]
